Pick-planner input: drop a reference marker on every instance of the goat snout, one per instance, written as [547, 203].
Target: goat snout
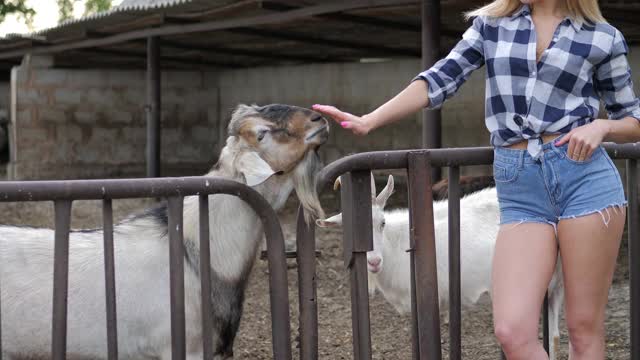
[374, 264]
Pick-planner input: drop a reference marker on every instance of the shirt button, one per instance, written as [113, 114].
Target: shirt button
[518, 120]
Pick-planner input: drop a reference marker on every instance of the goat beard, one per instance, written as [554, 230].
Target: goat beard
[304, 182]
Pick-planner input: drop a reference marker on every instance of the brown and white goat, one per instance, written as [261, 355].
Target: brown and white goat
[270, 148]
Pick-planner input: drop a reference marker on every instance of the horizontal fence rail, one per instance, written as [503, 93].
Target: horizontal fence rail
[356, 211]
[62, 193]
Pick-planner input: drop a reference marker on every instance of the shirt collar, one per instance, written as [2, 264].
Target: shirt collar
[525, 10]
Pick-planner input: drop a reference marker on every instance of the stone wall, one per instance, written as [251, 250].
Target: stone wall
[77, 124]
[84, 124]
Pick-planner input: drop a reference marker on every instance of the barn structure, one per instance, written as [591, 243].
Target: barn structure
[147, 87]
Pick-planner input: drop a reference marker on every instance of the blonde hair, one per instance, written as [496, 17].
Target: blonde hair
[586, 10]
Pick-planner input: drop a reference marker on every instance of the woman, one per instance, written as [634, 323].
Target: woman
[549, 63]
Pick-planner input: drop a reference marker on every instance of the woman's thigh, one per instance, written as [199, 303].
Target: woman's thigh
[523, 264]
[589, 248]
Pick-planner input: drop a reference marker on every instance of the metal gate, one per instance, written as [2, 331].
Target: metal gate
[63, 193]
[357, 240]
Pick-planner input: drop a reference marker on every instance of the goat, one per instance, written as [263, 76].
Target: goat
[271, 148]
[388, 263]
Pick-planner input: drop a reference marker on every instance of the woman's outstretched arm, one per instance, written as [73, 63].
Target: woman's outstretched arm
[408, 101]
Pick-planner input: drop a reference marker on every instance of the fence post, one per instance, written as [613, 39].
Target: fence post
[110, 280]
[634, 255]
[422, 243]
[176, 277]
[455, 317]
[60, 279]
[307, 288]
[205, 277]
[358, 240]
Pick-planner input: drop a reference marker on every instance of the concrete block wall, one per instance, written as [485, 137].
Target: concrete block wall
[78, 124]
[91, 123]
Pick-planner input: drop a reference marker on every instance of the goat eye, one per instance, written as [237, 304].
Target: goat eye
[261, 134]
[382, 224]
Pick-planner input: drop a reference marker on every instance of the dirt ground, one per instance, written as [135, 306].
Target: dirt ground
[390, 332]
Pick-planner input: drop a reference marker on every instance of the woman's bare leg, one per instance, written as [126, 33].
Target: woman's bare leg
[589, 249]
[524, 261]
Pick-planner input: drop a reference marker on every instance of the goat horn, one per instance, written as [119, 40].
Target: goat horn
[336, 184]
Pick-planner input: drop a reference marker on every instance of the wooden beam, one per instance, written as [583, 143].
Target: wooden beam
[316, 40]
[212, 49]
[166, 30]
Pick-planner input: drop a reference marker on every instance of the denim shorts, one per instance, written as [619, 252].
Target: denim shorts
[555, 187]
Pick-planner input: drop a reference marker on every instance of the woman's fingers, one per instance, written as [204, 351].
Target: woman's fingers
[333, 112]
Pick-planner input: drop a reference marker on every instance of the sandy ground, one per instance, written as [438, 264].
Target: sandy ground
[390, 332]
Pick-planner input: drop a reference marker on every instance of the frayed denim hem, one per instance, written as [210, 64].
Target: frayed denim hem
[615, 207]
[532, 220]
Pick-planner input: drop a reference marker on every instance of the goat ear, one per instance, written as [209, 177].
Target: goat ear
[382, 198]
[334, 221]
[254, 168]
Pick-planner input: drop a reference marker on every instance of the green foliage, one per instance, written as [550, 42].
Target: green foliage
[65, 9]
[90, 7]
[94, 6]
[15, 7]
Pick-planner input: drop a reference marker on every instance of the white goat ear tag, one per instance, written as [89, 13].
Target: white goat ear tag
[255, 170]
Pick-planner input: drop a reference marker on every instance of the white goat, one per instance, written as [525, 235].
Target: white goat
[388, 263]
[271, 148]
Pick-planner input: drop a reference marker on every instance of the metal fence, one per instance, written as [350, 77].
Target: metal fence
[357, 241]
[63, 193]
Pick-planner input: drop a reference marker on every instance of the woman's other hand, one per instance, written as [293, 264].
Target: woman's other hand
[584, 140]
[357, 124]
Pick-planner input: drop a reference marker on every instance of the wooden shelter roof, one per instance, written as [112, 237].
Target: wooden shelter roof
[248, 33]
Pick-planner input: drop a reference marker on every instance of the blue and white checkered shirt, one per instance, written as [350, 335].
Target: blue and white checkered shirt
[584, 63]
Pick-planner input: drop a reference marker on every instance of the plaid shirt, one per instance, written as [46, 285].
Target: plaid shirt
[584, 63]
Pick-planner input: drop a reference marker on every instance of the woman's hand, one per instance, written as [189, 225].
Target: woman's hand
[358, 125]
[584, 140]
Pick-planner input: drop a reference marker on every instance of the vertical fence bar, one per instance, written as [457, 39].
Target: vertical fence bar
[110, 280]
[60, 279]
[307, 288]
[278, 289]
[205, 278]
[545, 323]
[455, 317]
[422, 240]
[358, 240]
[176, 277]
[634, 255]
[153, 107]
[430, 41]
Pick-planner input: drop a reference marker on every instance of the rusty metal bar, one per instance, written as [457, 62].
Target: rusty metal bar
[60, 279]
[455, 316]
[153, 107]
[176, 277]
[110, 280]
[127, 188]
[634, 254]
[422, 240]
[307, 288]
[387, 160]
[358, 240]
[431, 119]
[278, 284]
[205, 278]
[545, 323]
[415, 346]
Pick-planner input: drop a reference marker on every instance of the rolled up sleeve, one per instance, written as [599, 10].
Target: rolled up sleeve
[446, 76]
[614, 84]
